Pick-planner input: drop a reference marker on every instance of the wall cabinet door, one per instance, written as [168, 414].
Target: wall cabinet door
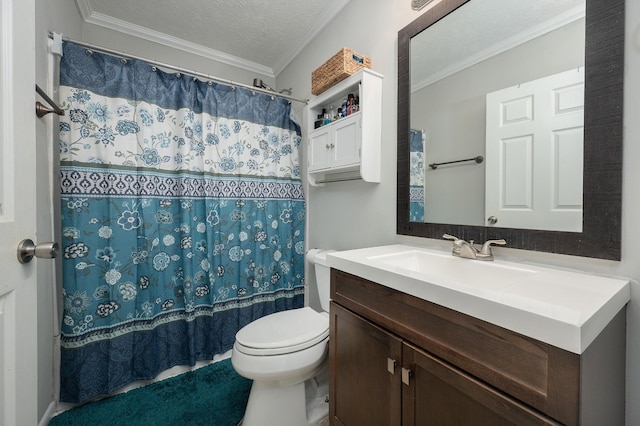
[440, 394]
[365, 380]
[347, 141]
[335, 145]
[320, 149]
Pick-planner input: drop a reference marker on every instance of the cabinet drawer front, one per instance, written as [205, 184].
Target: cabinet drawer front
[542, 376]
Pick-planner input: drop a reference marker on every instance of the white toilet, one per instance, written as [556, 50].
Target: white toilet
[285, 354]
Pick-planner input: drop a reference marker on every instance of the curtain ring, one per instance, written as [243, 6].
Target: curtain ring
[154, 69]
[178, 75]
[88, 52]
[210, 83]
[234, 88]
[123, 61]
[273, 97]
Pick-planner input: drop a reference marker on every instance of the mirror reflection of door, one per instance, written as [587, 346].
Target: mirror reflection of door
[534, 154]
[481, 48]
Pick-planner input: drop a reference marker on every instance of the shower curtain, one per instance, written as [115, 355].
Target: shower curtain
[182, 218]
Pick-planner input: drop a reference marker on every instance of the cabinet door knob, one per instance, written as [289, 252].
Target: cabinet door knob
[405, 376]
[391, 365]
[327, 146]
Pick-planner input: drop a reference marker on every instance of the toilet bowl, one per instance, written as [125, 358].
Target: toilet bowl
[285, 354]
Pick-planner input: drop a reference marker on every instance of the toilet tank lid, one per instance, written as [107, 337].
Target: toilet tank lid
[284, 329]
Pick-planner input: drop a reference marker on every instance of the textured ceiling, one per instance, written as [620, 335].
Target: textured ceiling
[257, 32]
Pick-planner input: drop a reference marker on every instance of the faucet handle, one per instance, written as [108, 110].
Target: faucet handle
[486, 247]
[451, 237]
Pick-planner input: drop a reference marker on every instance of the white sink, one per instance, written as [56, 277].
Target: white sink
[563, 308]
[487, 275]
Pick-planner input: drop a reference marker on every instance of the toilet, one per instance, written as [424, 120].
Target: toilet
[285, 354]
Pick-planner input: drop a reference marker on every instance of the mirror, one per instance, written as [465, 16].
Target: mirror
[597, 233]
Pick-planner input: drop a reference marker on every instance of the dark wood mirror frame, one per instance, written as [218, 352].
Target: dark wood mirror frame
[602, 181]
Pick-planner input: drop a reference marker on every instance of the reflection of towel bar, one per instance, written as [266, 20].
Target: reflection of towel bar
[479, 159]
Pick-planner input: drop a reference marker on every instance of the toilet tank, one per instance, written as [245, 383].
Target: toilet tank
[318, 258]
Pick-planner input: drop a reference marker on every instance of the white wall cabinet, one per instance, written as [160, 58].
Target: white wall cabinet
[348, 148]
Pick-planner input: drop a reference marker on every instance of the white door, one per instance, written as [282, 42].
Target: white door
[18, 301]
[534, 154]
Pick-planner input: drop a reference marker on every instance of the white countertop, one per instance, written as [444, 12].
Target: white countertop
[566, 309]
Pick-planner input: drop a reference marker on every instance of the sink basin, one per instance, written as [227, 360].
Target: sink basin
[487, 275]
[564, 308]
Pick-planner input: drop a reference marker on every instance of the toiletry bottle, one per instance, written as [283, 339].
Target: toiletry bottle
[339, 115]
[332, 114]
[344, 108]
[356, 104]
[349, 104]
[327, 118]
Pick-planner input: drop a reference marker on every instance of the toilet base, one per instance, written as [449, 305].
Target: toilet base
[272, 404]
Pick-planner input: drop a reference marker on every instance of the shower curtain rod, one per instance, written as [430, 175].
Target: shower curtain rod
[178, 69]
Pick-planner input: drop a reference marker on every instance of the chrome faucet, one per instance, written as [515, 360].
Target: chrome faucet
[467, 250]
[461, 248]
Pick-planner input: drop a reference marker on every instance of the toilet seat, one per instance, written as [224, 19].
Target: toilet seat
[283, 332]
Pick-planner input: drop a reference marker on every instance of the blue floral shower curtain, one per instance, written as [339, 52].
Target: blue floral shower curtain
[416, 176]
[182, 218]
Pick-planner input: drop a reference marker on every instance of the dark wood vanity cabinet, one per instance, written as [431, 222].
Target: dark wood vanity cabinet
[399, 360]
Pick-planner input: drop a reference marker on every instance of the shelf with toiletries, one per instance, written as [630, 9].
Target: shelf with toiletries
[345, 130]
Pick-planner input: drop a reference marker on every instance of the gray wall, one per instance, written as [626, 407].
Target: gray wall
[356, 214]
[59, 16]
[111, 39]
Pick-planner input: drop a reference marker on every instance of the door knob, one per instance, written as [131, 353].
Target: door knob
[27, 250]
[492, 220]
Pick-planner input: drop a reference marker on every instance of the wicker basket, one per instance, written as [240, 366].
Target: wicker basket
[340, 66]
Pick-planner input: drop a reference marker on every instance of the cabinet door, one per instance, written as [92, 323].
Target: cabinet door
[365, 381]
[440, 394]
[320, 150]
[346, 150]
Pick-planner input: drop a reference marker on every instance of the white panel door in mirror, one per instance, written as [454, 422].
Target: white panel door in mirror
[534, 152]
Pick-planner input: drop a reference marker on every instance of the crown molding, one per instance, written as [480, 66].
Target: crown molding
[91, 17]
[328, 15]
[84, 8]
[330, 12]
[523, 37]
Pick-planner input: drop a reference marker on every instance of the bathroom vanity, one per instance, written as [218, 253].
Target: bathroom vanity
[414, 342]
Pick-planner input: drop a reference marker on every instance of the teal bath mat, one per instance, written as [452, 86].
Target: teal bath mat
[214, 395]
